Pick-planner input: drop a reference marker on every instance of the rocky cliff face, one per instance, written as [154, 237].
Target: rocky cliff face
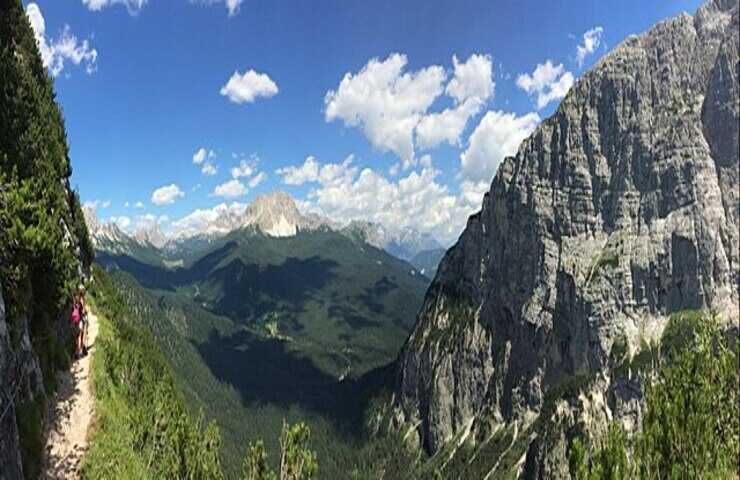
[619, 210]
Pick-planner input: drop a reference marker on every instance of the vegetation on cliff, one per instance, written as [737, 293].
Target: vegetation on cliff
[690, 427]
[44, 244]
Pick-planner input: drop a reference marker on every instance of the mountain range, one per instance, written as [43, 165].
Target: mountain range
[274, 215]
[282, 316]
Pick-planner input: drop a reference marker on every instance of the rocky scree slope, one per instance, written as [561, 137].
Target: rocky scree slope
[619, 210]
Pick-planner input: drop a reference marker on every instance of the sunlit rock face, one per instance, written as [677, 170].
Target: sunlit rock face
[619, 210]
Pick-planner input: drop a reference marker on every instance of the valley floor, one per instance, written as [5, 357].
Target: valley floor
[70, 416]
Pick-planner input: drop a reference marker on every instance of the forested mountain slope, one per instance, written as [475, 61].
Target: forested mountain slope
[347, 306]
[619, 211]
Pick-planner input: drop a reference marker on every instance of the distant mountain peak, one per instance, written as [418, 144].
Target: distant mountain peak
[404, 242]
[103, 234]
[276, 215]
[152, 235]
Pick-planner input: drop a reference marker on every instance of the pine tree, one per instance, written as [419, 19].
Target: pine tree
[297, 461]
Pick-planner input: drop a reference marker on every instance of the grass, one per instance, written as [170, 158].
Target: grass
[143, 429]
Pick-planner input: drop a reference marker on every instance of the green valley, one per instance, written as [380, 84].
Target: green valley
[261, 329]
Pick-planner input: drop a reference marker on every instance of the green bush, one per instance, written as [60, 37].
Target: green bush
[691, 428]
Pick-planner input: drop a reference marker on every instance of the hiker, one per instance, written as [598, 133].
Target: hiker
[79, 321]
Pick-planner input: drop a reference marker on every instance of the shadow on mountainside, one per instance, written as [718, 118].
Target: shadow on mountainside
[233, 286]
[265, 371]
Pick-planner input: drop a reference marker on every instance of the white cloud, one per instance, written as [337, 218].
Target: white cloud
[385, 102]
[472, 192]
[209, 169]
[230, 189]
[246, 167]
[133, 6]
[497, 136]
[123, 222]
[548, 82]
[257, 179]
[472, 79]
[308, 172]
[126, 204]
[66, 47]
[471, 86]
[201, 219]
[167, 194]
[97, 204]
[202, 158]
[418, 200]
[591, 41]
[311, 171]
[248, 87]
[232, 6]
[139, 204]
[447, 125]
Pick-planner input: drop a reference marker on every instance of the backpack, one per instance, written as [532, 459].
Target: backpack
[76, 313]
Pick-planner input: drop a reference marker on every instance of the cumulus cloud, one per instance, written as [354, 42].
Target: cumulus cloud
[230, 189]
[248, 87]
[246, 167]
[257, 179]
[167, 194]
[311, 171]
[247, 170]
[472, 79]
[548, 82]
[418, 200]
[123, 221]
[445, 126]
[201, 219]
[591, 41]
[209, 169]
[391, 106]
[307, 172]
[470, 87]
[139, 204]
[55, 53]
[133, 6]
[202, 158]
[385, 102]
[497, 136]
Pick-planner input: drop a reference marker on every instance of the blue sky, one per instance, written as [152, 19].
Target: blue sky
[144, 94]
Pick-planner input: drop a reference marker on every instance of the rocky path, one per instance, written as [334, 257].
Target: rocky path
[71, 415]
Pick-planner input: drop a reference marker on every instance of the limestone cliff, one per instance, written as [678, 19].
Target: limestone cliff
[619, 210]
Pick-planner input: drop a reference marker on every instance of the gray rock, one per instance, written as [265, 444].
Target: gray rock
[10, 456]
[619, 209]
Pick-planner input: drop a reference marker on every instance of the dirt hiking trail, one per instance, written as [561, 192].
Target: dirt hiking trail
[71, 414]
